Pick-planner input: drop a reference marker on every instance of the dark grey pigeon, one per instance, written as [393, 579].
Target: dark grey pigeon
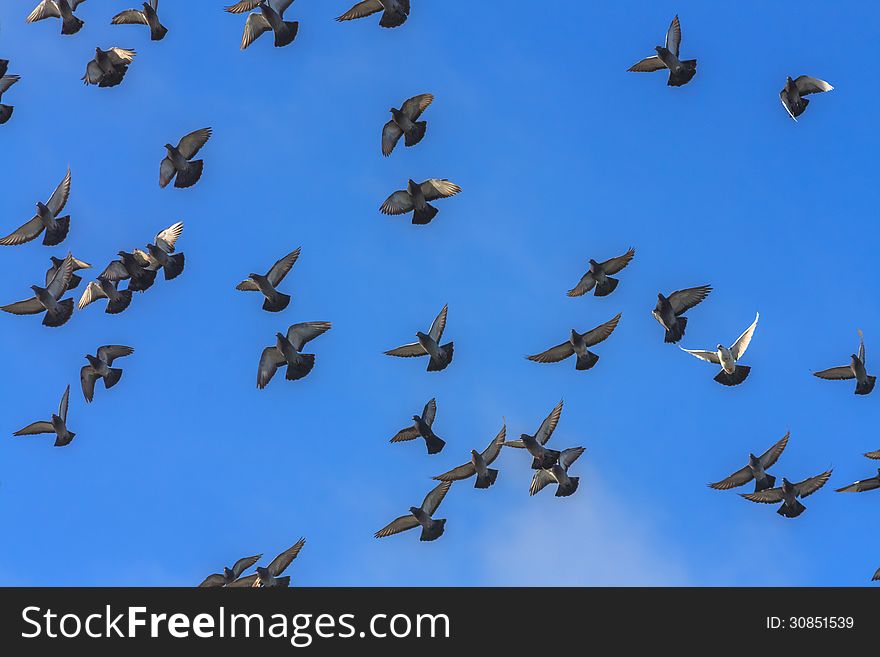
[415, 198]
[271, 17]
[792, 94]
[74, 279]
[109, 67]
[788, 494]
[286, 353]
[423, 427]
[229, 575]
[100, 367]
[855, 370]
[542, 456]
[117, 300]
[62, 9]
[270, 577]
[147, 16]
[274, 300]
[129, 267]
[48, 299]
[160, 255]
[429, 345]
[6, 81]
[599, 276]
[432, 529]
[756, 469]
[57, 425]
[669, 310]
[405, 121]
[394, 12]
[578, 343]
[680, 71]
[731, 374]
[46, 219]
[178, 163]
[558, 474]
[862, 485]
[479, 464]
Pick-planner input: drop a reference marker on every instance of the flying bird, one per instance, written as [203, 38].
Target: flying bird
[129, 267]
[229, 575]
[62, 9]
[274, 300]
[415, 198]
[542, 456]
[479, 464]
[6, 81]
[48, 299]
[74, 279]
[46, 219]
[57, 425]
[669, 310]
[578, 343]
[147, 16]
[270, 577]
[432, 529]
[429, 345]
[109, 67]
[100, 367]
[271, 17]
[558, 474]
[756, 469]
[788, 494]
[855, 370]
[160, 255]
[394, 12]
[872, 483]
[599, 276]
[731, 374]
[792, 94]
[117, 300]
[286, 353]
[680, 71]
[404, 121]
[178, 163]
[423, 427]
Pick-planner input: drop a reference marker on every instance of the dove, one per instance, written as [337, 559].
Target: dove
[394, 12]
[578, 343]
[160, 255]
[99, 367]
[756, 469]
[432, 528]
[731, 373]
[558, 474]
[680, 71]
[274, 300]
[423, 427]
[429, 345]
[479, 464]
[598, 277]
[269, 577]
[415, 199]
[404, 121]
[46, 219]
[147, 16]
[74, 279]
[855, 370]
[542, 456]
[229, 575]
[117, 300]
[872, 483]
[62, 9]
[788, 494]
[178, 163]
[109, 67]
[129, 268]
[792, 94]
[6, 81]
[57, 425]
[286, 353]
[669, 310]
[48, 299]
[271, 17]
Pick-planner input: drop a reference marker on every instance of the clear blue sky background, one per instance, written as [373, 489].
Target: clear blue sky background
[563, 156]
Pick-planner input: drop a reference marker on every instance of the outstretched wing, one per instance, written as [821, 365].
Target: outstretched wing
[24, 233]
[59, 197]
[841, 373]
[772, 455]
[46, 9]
[433, 499]
[861, 486]
[410, 433]
[569, 456]
[191, 144]
[548, 426]
[129, 17]
[254, 27]
[809, 486]
[400, 202]
[213, 581]
[541, 479]
[742, 342]
[93, 292]
[282, 267]
[407, 351]
[243, 6]
[166, 239]
[584, 285]
[602, 332]
[738, 478]
[439, 324]
[30, 306]
[494, 449]
[361, 10]
[65, 400]
[647, 65]
[270, 360]
[414, 107]
[430, 412]
[243, 564]
[807, 85]
[862, 348]
[614, 265]
[553, 354]
[708, 356]
[109, 353]
[459, 473]
[673, 36]
[768, 496]
[401, 524]
[300, 334]
[439, 188]
[391, 134]
[683, 300]
[282, 561]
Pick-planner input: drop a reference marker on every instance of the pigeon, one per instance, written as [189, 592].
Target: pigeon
[159, 255]
[177, 161]
[57, 425]
[48, 299]
[874, 455]
[109, 67]
[669, 310]
[756, 469]
[286, 353]
[415, 199]
[479, 464]
[99, 367]
[46, 219]
[542, 457]
[229, 575]
[117, 300]
[146, 16]
[394, 12]
[558, 474]
[274, 300]
[855, 370]
[788, 494]
[578, 343]
[731, 374]
[792, 94]
[431, 529]
[404, 121]
[6, 81]
[271, 17]
[129, 267]
[423, 426]
[62, 9]
[599, 276]
[680, 71]
[74, 279]
[429, 345]
[269, 577]
[872, 483]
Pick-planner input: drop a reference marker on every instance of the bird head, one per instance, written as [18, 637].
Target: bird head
[36, 288]
[411, 185]
[753, 460]
[253, 276]
[92, 360]
[169, 147]
[281, 337]
[414, 510]
[227, 573]
[574, 334]
[719, 347]
[854, 357]
[474, 454]
[786, 484]
[660, 296]
[421, 336]
[416, 418]
[593, 263]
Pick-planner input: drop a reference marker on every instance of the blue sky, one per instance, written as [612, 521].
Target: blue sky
[562, 155]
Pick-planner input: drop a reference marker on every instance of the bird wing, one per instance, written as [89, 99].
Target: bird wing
[569, 456]
[742, 342]
[110, 352]
[65, 400]
[548, 426]
[192, 143]
[279, 269]
[601, 333]
[7, 81]
[435, 188]
[738, 478]
[673, 36]
[861, 486]
[410, 433]
[708, 356]
[414, 107]
[433, 499]
[75, 3]
[121, 56]
[243, 564]
[270, 360]
[541, 479]
[35, 429]
[255, 26]
[87, 378]
[439, 324]
[282, 561]
[683, 300]
[807, 85]
[862, 348]
[401, 524]
[212, 581]
[391, 134]
[24, 233]
[166, 239]
[61, 279]
[553, 354]
[407, 351]
[300, 334]
[768, 496]
[614, 265]
[129, 17]
[647, 65]
[114, 272]
[772, 455]
[459, 473]
[841, 373]
[166, 172]
[280, 6]
[361, 10]
[873, 455]
[93, 292]
[46, 9]
[30, 306]
[243, 6]
[247, 581]
[809, 486]
[494, 449]
[247, 286]
[584, 285]
[430, 412]
[400, 202]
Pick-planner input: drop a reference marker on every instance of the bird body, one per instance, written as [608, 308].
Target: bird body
[108, 68]
[230, 575]
[789, 493]
[792, 94]
[178, 163]
[404, 123]
[558, 474]
[428, 344]
[855, 370]
[423, 427]
[270, 17]
[270, 576]
[542, 457]
[117, 300]
[578, 344]
[432, 528]
[62, 9]
[147, 16]
[756, 469]
[48, 299]
[478, 466]
[680, 71]
[46, 219]
[669, 310]
[599, 276]
[416, 199]
[731, 373]
[287, 352]
[273, 301]
[99, 367]
[57, 425]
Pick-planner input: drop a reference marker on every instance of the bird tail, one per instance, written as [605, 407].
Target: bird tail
[286, 33]
[68, 438]
[393, 18]
[438, 364]
[435, 444]
[158, 33]
[433, 531]
[71, 25]
[676, 333]
[586, 361]
[60, 314]
[112, 378]
[301, 368]
[793, 510]
[116, 306]
[283, 582]
[57, 231]
[606, 287]
[565, 491]
[685, 75]
[739, 375]
[424, 216]
[5, 113]
[190, 175]
[416, 135]
[769, 481]
[488, 480]
[174, 266]
[278, 303]
[143, 281]
[867, 387]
